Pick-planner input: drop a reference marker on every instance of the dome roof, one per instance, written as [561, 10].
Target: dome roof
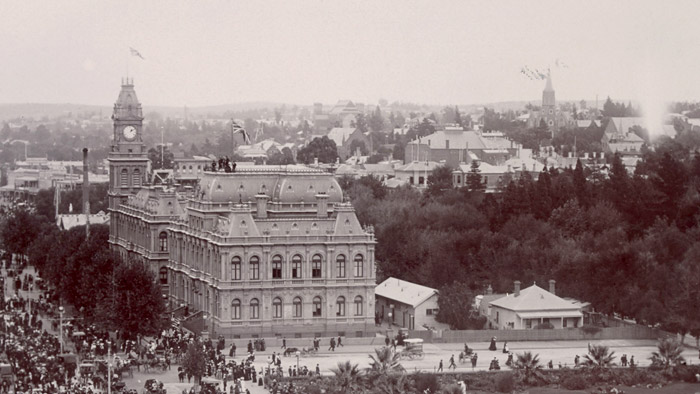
[284, 184]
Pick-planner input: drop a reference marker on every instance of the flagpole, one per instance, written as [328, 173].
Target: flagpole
[233, 142]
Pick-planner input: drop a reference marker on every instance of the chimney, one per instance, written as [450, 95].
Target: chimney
[571, 154]
[322, 205]
[86, 193]
[602, 155]
[489, 290]
[585, 155]
[261, 205]
[516, 291]
[552, 286]
[316, 161]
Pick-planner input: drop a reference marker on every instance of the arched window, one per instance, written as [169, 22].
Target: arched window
[236, 309]
[358, 306]
[316, 266]
[340, 266]
[163, 275]
[254, 268]
[277, 308]
[317, 307]
[340, 306]
[163, 241]
[277, 267]
[297, 307]
[136, 178]
[359, 266]
[124, 178]
[254, 309]
[236, 268]
[296, 266]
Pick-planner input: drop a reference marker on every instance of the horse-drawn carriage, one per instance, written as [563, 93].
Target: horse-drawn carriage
[153, 386]
[413, 349]
[303, 352]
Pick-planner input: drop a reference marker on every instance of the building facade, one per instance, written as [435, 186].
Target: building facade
[262, 251]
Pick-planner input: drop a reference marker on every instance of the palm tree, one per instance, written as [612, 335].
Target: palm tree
[668, 354]
[347, 376]
[599, 356]
[528, 363]
[386, 362]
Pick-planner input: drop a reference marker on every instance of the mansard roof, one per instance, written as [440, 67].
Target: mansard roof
[284, 184]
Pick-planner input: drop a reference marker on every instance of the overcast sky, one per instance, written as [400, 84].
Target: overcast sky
[436, 52]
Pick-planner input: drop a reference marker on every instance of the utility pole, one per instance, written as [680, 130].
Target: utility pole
[162, 146]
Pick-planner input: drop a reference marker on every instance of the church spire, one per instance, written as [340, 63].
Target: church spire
[549, 87]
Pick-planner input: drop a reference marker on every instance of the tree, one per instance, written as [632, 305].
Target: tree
[347, 376]
[376, 121]
[138, 305]
[456, 309]
[195, 361]
[474, 182]
[154, 155]
[385, 362]
[668, 354]
[322, 148]
[528, 363]
[439, 181]
[19, 229]
[599, 356]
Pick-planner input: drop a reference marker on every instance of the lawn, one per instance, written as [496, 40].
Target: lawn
[675, 388]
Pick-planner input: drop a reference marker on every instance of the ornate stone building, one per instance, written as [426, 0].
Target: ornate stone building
[263, 251]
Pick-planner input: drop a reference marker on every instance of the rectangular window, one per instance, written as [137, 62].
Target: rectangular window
[340, 268]
[316, 269]
[254, 271]
[276, 270]
[236, 271]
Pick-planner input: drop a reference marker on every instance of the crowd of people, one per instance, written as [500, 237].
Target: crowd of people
[33, 353]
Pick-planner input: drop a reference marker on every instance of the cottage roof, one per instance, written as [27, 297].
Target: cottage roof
[404, 292]
[533, 298]
[68, 221]
[340, 134]
[458, 140]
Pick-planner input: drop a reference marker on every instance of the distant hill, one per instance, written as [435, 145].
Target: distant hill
[37, 111]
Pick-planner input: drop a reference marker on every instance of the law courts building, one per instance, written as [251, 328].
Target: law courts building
[262, 251]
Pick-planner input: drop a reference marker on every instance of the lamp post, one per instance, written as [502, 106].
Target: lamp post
[297, 354]
[60, 326]
[109, 367]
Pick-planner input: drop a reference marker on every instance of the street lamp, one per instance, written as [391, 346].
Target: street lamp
[60, 313]
[297, 354]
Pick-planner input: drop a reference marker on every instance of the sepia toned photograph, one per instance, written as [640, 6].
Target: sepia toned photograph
[349, 197]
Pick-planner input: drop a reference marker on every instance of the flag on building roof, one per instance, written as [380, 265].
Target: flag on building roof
[134, 52]
[236, 128]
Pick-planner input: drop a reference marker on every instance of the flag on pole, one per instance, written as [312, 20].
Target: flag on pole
[236, 128]
[134, 52]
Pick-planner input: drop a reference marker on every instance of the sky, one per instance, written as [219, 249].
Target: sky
[200, 53]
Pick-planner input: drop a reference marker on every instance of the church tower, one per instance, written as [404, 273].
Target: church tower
[128, 160]
[549, 103]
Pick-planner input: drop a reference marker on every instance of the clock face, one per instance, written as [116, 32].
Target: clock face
[129, 132]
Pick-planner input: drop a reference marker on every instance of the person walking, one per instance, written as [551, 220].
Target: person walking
[440, 366]
[340, 341]
[232, 351]
[318, 370]
[284, 342]
[332, 345]
[452, 363]
[474, 360]
[623, 360]
[576, 359]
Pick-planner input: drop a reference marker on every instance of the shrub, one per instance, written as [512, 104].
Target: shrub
[574, 382]
[505, 382]
[426, 381]
[590, 329]
[686, 373]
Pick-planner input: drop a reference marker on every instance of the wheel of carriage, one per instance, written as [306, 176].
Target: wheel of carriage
[411, 356]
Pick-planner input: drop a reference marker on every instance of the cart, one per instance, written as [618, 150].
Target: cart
[413, 349]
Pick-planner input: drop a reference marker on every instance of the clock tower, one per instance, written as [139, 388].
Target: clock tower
[128, 160]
